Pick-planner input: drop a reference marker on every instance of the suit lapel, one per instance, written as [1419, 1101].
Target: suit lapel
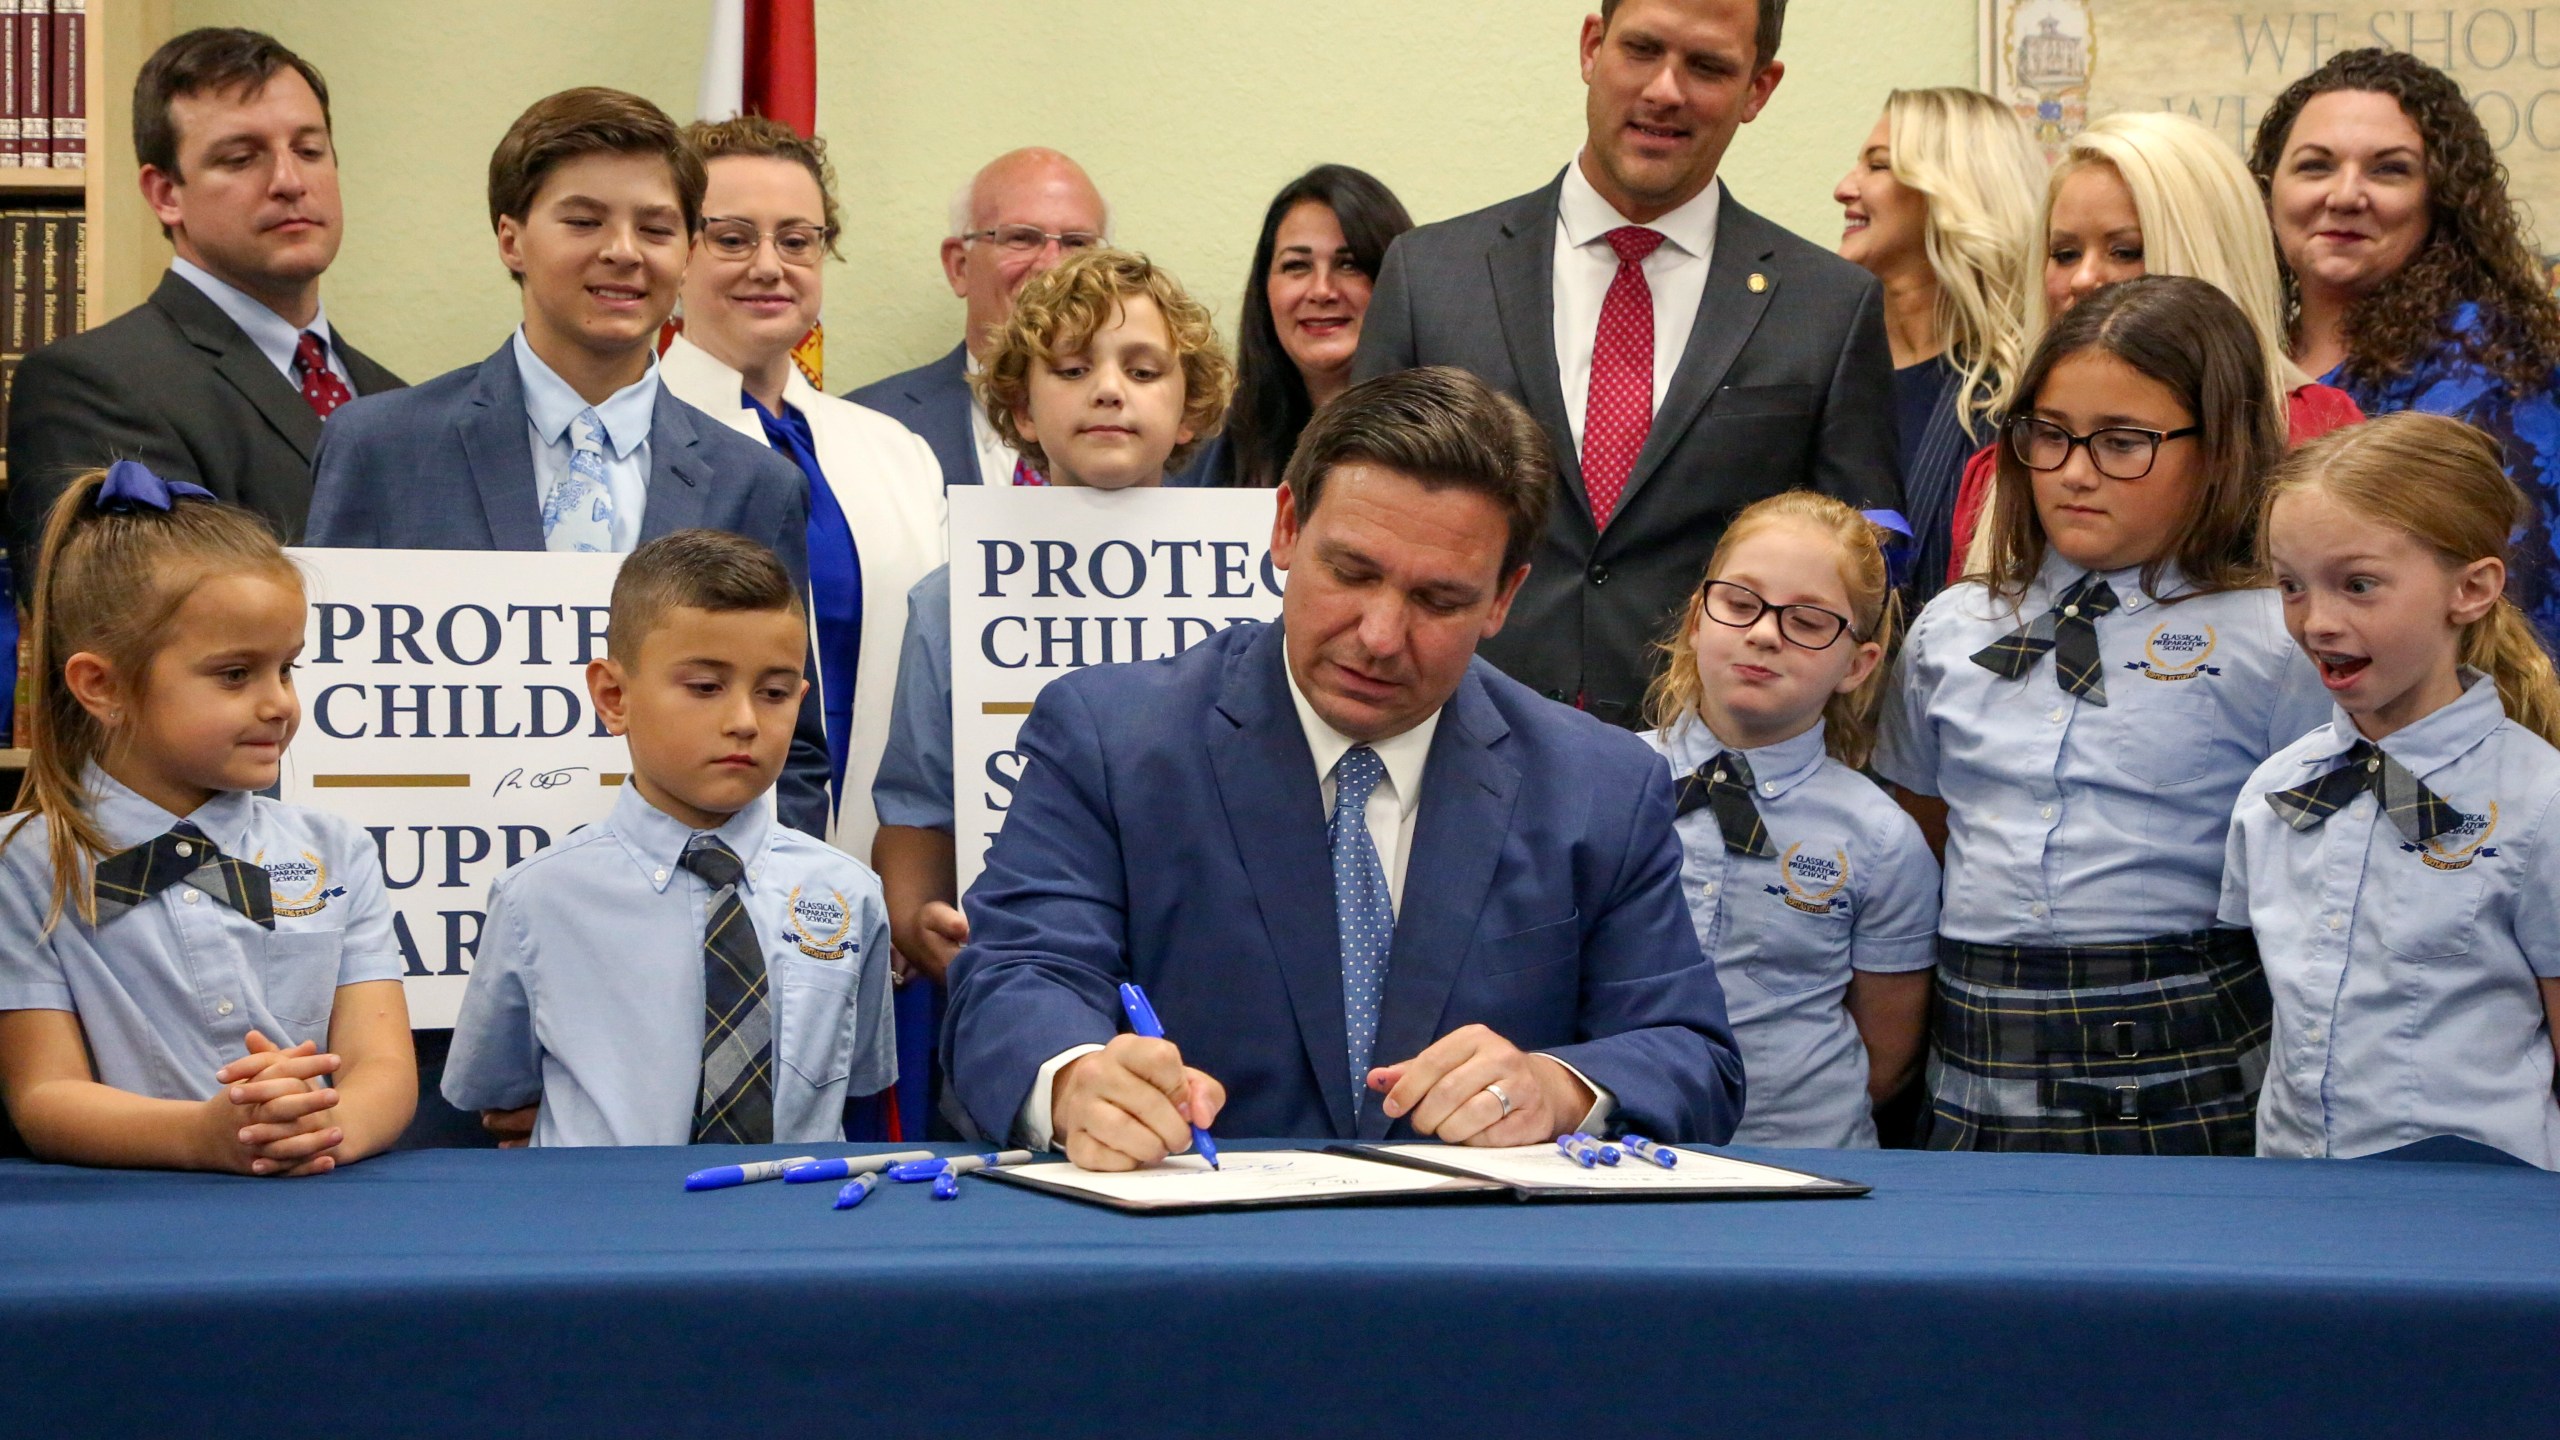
[1467, 794]
[493, 433]
[1523, 265]
[942, 410]
[679, 478]
[239, 362]
[1266, 784]
[1728, 312]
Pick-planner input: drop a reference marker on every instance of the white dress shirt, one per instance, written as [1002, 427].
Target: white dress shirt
[274, 335]
[995, 458]
[1676, 272]
[1393, 807]
[551, 407]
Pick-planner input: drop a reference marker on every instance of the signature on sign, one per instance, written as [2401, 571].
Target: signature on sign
[517, 779]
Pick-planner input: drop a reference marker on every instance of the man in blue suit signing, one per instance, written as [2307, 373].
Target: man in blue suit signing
[565, 439]
[1371, 885]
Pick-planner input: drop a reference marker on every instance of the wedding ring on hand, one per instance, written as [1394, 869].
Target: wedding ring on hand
[1496, 1092]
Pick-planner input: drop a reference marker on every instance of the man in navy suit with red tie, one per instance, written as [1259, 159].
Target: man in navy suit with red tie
[1373, 887]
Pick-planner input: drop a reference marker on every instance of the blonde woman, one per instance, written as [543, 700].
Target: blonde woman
[1943, 207]
[2151, 193]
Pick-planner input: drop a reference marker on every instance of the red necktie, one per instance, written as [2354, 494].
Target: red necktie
[1619, 410]
[1023, 474]
[322, 390]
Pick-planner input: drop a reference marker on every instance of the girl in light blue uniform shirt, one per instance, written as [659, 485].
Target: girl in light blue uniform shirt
[191, 976]
[2087, 712]
[1813, 892]
[2399, 863]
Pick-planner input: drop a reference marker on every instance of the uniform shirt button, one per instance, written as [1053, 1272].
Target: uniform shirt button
[2037, 909]
[1771, 788]
[184, 849]
[2337, 922]
[2054, 714]
[2046, 812]
[1707, 889]
[660, 877]
[222, 1009]
[193, 896]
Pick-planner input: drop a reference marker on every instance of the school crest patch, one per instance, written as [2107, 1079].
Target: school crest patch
[1811, 881]
[822, 928]
[2455, 849]
[299, 884]
[2177, 651]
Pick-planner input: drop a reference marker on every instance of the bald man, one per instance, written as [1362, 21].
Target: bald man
[1019, 216]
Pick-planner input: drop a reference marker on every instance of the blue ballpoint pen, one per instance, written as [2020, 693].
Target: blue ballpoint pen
[1142, 1019]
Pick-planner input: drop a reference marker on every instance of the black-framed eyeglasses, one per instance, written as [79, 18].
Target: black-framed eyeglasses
[1740, 606]
[734, 239]
[1024, 239]
[2121, 452]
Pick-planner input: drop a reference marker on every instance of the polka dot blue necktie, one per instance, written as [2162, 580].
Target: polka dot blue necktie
[1364, 913]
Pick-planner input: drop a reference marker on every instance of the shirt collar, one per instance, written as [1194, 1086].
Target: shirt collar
[1403, 755]
[1775, 769]
[1587, 218]
[656, 840]
[552, 405]
[2429, 744]
[127, 820]
[2058, 574]
[274, 335]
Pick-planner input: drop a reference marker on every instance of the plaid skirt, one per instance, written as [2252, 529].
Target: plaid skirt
[2145, 1047]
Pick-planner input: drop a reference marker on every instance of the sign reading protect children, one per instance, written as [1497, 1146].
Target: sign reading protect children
[444, 709]
[1044, 581]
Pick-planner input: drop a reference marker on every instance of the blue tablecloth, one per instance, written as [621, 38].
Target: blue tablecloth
[583, 1293]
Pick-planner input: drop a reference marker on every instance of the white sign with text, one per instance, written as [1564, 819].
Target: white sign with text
[1044, 581]
[444, 709]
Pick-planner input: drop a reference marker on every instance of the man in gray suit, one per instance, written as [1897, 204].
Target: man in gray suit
[222, 377]
[1685, 356]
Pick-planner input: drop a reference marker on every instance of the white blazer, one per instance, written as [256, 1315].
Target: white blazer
[890, 487]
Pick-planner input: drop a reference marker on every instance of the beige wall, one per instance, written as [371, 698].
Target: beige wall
[1189, 113]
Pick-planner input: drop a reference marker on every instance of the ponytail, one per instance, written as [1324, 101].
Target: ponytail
[2502, 645]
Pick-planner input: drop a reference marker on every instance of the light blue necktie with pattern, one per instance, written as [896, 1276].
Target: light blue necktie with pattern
[1364, 913]
[578, 513]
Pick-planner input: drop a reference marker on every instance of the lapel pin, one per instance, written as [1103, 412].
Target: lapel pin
[1757, 283]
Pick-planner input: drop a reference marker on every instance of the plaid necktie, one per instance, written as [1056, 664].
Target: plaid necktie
[2417, 812]
[735, 1103]
[131, 877]
[1724, 784]
[2070, 631]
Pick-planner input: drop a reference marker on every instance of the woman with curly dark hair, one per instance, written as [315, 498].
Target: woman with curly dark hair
[2409, 280]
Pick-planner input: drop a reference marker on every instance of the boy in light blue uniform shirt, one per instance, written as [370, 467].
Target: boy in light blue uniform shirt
[688, 970]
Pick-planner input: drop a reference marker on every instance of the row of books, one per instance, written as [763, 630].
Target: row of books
[44, 105]
[44, 274]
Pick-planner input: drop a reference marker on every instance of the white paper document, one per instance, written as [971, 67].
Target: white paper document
[1535, 1167]
[1244, 1177]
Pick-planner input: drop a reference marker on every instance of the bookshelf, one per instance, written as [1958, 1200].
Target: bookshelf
[126, 253]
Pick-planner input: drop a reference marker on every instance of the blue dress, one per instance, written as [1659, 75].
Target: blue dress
[2448, 382]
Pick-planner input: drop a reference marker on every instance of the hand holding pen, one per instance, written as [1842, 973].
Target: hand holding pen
[1131, 1104]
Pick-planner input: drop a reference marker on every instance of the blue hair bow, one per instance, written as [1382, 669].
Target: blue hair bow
[131, 484]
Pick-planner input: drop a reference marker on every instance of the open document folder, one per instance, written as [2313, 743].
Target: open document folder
[1252, 1179]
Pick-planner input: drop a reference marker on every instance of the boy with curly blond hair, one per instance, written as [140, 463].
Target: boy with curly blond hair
[1109, 375]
